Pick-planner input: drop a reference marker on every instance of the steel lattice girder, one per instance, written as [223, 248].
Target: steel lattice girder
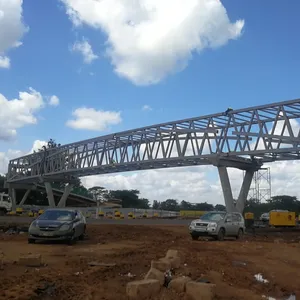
[223, 138]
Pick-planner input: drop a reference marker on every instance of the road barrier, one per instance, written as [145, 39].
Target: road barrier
[192, 213]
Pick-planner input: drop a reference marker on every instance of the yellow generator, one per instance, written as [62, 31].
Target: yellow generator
[282, 219]
[249, 219]
[101, 213]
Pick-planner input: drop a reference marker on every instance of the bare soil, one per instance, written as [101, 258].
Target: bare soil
[230, 264]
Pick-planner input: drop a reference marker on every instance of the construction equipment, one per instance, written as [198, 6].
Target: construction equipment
[282, 219]
[5, 204]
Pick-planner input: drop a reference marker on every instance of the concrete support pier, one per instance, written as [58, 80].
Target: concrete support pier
[50, 195]
[63, 200]
[227, 191]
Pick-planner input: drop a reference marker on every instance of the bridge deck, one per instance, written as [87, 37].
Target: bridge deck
[268, 133]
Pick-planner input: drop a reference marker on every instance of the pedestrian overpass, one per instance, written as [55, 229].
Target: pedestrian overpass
[242, 138]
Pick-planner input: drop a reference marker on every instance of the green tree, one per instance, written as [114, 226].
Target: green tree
[130, 198]
[184, 205]
[98, 192]
[156, 204]
[204, 206]
[220, 207]
[170, 204]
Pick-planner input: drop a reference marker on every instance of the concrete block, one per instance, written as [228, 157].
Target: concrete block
[200, 291]
[143, 289]
[31, 260]
[174, 258]
[156, 274]
[162, 264]
[172, 253]
[174, 262]
[178, 284]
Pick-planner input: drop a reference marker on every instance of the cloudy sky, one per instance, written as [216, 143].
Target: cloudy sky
[75, 69]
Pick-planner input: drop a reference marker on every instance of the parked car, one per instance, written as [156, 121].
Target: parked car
[58, 224]
[265, 217]
[218, 224]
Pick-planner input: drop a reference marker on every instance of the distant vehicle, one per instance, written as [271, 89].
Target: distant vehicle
[265, 217]
[58, 224]
[5, 204]
[218, 224]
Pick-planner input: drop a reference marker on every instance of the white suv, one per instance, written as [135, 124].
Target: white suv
[218, 224]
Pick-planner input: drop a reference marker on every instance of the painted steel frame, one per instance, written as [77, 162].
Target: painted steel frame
[243, 138]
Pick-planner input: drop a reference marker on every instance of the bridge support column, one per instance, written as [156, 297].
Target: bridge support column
[226, 188]
[63, 200]
[25, 197]
[241, 202]
[50, 195]
[13, 198]
[227, 192]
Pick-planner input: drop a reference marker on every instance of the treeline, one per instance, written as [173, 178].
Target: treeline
[132, 199]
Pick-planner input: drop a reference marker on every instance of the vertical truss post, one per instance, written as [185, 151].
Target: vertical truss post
[50, 194]
[226, 187]
[63, 200]
[25, 197]
[261, 186]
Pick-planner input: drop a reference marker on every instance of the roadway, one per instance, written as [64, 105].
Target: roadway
[163, 222]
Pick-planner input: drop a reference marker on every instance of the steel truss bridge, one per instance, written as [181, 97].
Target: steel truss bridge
[243, 138]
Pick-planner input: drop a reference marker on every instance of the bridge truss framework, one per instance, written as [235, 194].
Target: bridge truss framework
[244, 139]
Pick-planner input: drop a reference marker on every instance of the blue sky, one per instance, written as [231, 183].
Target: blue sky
[260, 66]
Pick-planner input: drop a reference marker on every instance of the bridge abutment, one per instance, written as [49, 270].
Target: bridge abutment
[227, 191]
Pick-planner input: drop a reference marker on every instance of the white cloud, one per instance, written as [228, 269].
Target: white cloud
[54, 101]
[37, 145]
[12, 28]
[92, 119]
[148, 40]
[196, 184]
[17, 113]
[147, 107]
[86, 50]
[4, 62]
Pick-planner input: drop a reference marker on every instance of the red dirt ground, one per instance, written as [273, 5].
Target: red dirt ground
[230, 264]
